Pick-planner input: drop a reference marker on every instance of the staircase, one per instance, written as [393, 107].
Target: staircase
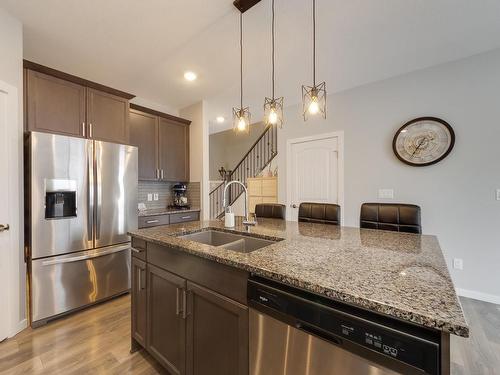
[255, 160]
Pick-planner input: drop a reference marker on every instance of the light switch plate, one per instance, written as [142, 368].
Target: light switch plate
[150, 197]
[498, 194]
[155, 196]
[458, 263]
[386, 193]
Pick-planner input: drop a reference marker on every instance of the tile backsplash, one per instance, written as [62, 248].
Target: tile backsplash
[165, 194]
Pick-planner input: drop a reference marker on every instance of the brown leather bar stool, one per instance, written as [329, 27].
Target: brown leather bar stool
[321, 213]
[270, 210]
[396, 217]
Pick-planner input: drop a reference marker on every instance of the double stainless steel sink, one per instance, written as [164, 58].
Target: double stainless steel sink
[231, 241]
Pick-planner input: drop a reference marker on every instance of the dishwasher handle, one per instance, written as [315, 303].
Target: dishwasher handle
[321, 333]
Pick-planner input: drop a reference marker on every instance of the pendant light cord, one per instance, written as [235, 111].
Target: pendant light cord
[314, 43]
[273, 44]
[241, 60]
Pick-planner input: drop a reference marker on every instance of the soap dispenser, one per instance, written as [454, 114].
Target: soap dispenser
[229, 218]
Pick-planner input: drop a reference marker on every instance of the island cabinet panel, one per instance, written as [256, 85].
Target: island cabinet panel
[173, 138]
[166, 335]
[54, 105]
[144, 135]
[139, 301]
[217, 334]
[107, 116]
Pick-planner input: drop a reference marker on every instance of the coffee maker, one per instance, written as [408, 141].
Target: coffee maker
[180, 196]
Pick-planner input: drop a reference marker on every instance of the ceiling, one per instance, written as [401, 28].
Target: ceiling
[144, 47]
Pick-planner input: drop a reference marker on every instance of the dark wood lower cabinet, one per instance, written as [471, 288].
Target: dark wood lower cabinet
[139, 301]
[217, 334]
[190, 328]
[166, 339]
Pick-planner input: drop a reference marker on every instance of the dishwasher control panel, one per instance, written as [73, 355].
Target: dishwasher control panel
[337, 325]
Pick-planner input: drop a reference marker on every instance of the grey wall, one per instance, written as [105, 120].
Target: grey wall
[227, 148]
[11, 72]
[457, 196]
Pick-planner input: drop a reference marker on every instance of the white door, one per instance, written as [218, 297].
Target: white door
[8, 249]
[315, 171]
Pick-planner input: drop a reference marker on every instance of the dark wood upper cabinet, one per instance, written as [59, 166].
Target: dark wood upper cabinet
[173, 150]
[54, 105]
[139, 301]
[166, 337]
[163, 142]
[217, 334]
[107, 117]
[57, 102]
[144, 135]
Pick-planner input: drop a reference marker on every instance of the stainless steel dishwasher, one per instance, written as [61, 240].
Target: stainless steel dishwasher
[293, 332]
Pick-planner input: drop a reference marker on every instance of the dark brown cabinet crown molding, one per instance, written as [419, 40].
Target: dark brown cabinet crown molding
[159, 114]
[71, 78]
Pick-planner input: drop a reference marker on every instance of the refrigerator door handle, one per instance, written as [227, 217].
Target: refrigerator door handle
[98, 193]
[87, 256]
[90, 192]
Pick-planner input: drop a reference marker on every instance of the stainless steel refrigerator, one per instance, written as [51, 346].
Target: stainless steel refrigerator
[81, 198]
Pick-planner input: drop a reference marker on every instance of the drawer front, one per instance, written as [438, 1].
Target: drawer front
[138, 248]
[184, 216]
[153, 221]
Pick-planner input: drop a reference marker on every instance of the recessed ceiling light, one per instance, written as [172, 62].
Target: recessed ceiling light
[190, 76]
[220, 119]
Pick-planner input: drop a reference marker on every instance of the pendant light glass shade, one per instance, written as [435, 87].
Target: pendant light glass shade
[241, 115]
[314, 100]
[273, 107]
[314, 97]
[241, 120]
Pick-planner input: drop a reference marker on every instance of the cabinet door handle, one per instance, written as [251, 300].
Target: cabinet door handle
[137, 251]
[186, 217]
[157, 174]
[139, 286]
[152, 221]
[162, 174]
[184, 304]
[177, 305]
[90, 130]
[83, 129]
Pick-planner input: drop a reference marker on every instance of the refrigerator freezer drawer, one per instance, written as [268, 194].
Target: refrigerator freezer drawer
[64, 283]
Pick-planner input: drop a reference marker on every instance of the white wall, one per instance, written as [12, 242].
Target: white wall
[11, 72]
[457, 195]
[199, 150]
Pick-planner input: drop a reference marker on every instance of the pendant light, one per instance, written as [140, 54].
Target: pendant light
[314, 97]
[273, 107]
[241, 115]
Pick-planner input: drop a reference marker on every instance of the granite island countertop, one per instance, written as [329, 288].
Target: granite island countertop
[401, 275]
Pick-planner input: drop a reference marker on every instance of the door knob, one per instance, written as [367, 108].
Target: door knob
[294, 206]
[4, 227]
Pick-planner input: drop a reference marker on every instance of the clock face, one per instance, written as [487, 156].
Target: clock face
[423, 141]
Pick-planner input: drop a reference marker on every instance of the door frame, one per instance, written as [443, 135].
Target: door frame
[14, 160]
[317, 137]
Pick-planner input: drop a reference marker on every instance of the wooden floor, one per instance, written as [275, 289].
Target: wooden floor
[97, 341]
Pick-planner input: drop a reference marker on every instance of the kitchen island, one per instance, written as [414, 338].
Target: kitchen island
[397, 275]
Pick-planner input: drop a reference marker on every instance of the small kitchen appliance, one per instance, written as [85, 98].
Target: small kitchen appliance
[180, 196]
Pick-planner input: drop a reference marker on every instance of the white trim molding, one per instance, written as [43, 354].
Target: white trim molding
[340, 144]
[478, 295]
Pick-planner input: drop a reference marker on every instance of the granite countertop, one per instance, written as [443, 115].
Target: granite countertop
[165, 211]
[398, 274]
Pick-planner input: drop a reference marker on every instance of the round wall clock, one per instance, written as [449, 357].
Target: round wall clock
[423, 141]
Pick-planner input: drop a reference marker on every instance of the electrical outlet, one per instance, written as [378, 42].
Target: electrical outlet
[155, 196]
[150, 197]
[458, 263]
[498, 194]
[386, 193]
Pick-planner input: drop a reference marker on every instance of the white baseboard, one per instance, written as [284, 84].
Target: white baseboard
[21, 325]
[479, 296]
